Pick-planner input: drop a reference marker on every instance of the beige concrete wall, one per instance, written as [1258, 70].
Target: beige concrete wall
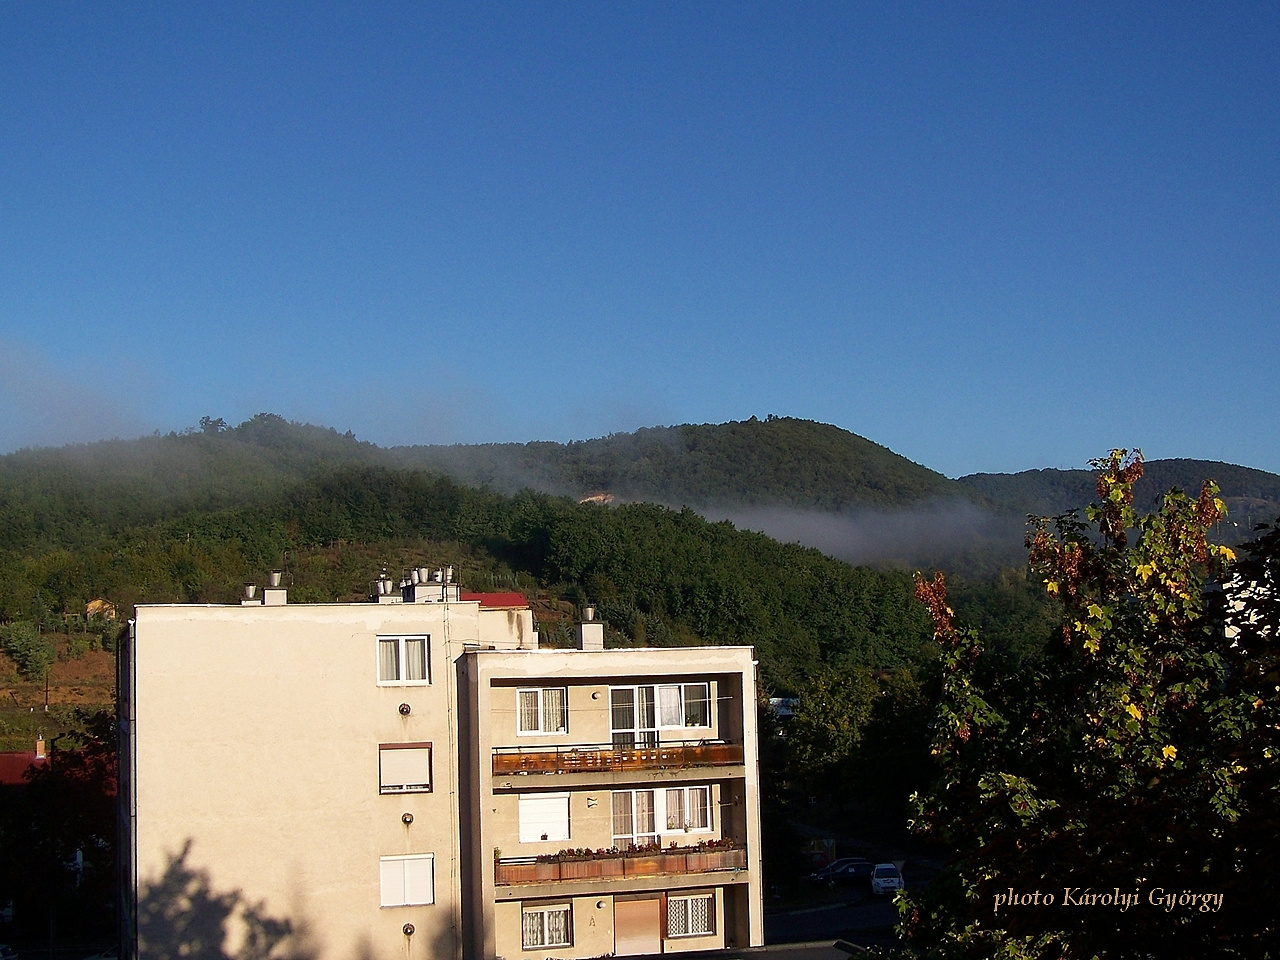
[589, 716]
[505, 629]
[257, 732]
[592, 929]
[493, 679]
[591, 819]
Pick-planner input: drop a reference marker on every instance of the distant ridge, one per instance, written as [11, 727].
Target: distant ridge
[1252, 496]
[775, 461]
[796, 480]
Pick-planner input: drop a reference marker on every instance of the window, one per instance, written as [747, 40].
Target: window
[638, 713]
[403, 660]
[691, 916]
[544, 817]
[543, 711]
[547, 926]
[634, 819]
[688, 808]
[684, 704]
[404, 767]
[639, 815]
[408, 881]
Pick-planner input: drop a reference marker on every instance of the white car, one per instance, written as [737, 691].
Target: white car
[885, 879]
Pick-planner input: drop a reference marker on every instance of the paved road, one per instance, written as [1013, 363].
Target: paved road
[866, 922]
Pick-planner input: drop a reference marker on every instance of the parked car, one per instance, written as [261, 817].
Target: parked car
[885, 879]
[845, 870]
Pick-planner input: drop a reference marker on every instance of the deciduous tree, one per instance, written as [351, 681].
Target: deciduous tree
[1133, 763]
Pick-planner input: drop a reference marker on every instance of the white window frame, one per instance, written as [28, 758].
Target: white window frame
[674, 903]
[681, 690]
[546, 724]
[686, 791]
[402, 660]
[525, 798]
[384, 787]
[661, 817]
[544, 910]
[405, 898]
[630, 800]
[674, 694]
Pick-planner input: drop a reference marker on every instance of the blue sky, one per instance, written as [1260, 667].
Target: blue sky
[989, 236]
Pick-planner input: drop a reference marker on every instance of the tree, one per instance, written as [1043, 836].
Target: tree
[1130, 764]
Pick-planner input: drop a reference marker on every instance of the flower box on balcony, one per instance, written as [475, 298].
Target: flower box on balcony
[644, 866]
[547, 871]
[673, 863]
[611, 867]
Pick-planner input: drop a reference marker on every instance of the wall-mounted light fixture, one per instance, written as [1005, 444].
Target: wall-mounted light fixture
[405, 709]
[406, 819]
[408, 929]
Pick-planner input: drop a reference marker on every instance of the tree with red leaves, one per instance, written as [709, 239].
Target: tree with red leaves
[1137, 760]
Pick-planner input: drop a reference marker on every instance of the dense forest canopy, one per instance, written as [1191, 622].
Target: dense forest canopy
[84, 495]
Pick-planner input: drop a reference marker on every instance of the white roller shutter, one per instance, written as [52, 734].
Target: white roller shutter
[544, 817]
[404, 768]
[419, 880]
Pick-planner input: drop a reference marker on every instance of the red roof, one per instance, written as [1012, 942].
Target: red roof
[14, 764]
[503, 600]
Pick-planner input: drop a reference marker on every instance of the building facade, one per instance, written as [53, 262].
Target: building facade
[413, 776]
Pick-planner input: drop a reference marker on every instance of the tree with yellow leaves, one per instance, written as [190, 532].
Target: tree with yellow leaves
[1127, 771]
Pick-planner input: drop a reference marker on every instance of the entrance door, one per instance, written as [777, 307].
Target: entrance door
[637, 927]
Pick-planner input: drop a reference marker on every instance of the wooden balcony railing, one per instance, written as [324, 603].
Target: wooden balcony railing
[601, 758]
[510, 872]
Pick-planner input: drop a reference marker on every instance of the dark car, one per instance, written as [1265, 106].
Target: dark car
[844, 870]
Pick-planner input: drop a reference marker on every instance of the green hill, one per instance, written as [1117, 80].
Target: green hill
[776, 461]
[1252, 496]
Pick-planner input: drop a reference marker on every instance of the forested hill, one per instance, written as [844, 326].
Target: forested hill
[776, 461]
[71, 496]
[1252, 496]
[794, 479]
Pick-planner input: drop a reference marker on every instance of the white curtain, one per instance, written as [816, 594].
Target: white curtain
[553, 712]
[389, 659]
[529, 721]
[415, 659]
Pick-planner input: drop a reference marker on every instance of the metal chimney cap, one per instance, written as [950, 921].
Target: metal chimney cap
[273, 578]
[588, 613]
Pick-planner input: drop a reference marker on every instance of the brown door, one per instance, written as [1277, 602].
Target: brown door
[637, 927]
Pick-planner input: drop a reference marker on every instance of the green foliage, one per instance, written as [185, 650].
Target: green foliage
[58, 834]
[780, 460]
[27, 648]
[828, 724]
[1117, 762]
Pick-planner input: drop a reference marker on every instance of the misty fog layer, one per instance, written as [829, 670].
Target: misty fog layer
[949, 533]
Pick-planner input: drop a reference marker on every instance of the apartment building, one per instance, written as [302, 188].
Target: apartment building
[413, 777]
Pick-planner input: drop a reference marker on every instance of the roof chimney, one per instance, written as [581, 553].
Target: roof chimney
[274, 595]
[590, 631]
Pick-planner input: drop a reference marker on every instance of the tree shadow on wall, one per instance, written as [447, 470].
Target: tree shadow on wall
[182, 917]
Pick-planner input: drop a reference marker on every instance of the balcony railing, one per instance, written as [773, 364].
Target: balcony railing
[598, 758]
[599, 867]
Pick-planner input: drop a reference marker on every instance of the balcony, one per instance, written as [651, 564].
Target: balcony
[616, 865]
[600, 758]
